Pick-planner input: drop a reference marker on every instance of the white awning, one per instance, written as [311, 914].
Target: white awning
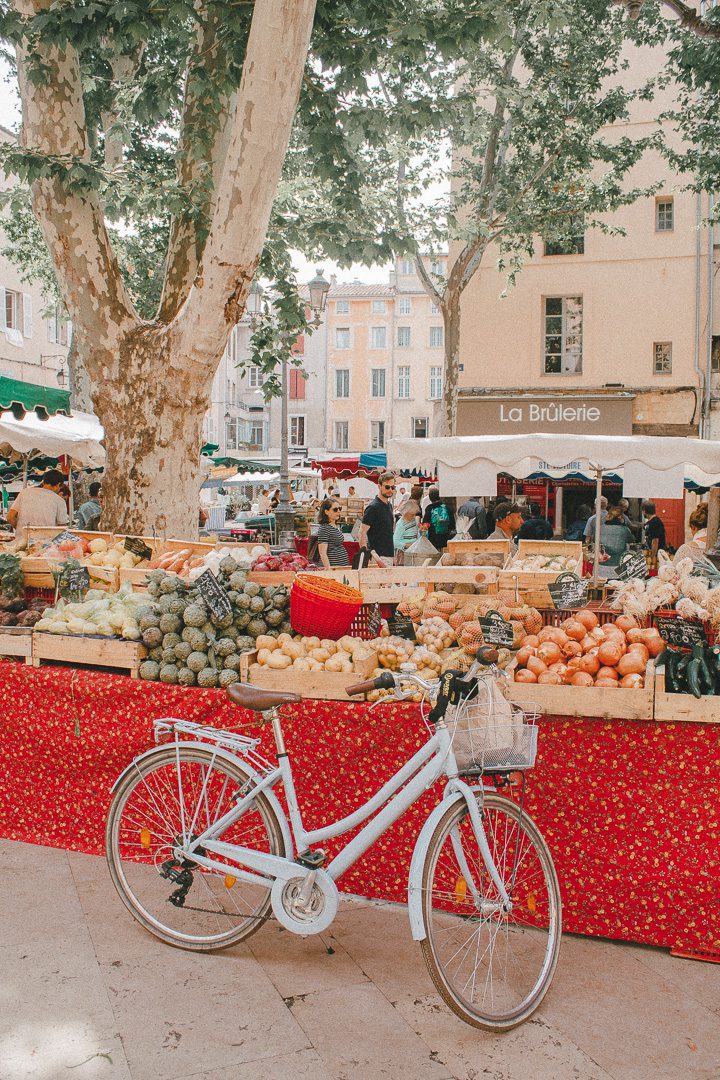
[78, 436]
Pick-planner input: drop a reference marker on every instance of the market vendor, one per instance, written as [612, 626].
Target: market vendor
[378, 523]
[330, 541]
[614, 538]
[40, 506]
[88, 514]
[508, 519]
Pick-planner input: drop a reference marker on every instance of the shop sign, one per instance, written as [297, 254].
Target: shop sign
[555, 414]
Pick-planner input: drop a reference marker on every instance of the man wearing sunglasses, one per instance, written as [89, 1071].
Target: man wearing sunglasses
[378, 523]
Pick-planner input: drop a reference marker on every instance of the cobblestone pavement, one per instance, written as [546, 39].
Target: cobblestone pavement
[86, 994]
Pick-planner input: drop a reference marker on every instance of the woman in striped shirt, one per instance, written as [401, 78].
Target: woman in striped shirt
[330, 540]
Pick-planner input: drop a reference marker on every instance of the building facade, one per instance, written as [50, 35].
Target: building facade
[34, 336]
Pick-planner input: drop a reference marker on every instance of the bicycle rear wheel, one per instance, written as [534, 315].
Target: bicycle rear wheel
[491, 967]
[178, 901]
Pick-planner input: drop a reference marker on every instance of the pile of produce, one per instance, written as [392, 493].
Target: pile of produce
[14, 610]
[190, 646]
[429, 666]
[580, 652]
[473, 558]
[696, 672]
[311, 653]
[104, 553]
[107, 614]
[286, 562]
[690, 588]
[555, 564]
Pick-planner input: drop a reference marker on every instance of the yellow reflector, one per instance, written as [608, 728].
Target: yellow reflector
[531, 905]
[229, 881]
[145, 838]
[460, 889]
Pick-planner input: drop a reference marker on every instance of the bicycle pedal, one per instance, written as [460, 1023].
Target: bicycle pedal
[313, 860]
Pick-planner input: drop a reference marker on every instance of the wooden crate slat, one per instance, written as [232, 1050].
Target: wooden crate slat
[88, 651]
[318, 685]
[588, 700]
[16, 641]
[684, 708]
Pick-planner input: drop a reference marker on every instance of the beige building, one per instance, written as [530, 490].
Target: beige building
[384, 360]
[33, 338]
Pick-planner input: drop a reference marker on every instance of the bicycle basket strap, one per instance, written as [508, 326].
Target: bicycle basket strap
[453, 687]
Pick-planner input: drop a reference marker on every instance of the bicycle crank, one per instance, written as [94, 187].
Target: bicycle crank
[306, 903]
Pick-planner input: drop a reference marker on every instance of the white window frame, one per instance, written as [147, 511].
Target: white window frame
[403, 381]
[343, 330]
[436, 267]
[664, 213]
[344, 442]
[568, 366]
[338, 373]
[378, 307]
[255, 426]
[436, 382]
[378, 380]
[231, 433]
[420, 420]
[380, 331]
[342, 307]
[438, 333]
[404, 332]
[58, 326]
[255, 377]
[434, 309]
[404, 305]
[406, 267]
[662, 357]
[292, 439]
[376, 442]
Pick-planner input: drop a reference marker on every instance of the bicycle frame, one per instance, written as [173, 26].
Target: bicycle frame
[434, 759]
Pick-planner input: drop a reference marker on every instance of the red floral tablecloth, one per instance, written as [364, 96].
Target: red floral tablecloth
[630, 809]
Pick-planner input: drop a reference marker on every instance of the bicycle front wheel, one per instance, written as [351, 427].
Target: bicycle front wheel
[163, 798]
[492, 967]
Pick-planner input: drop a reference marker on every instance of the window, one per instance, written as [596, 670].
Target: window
[377, 337]
[404, 305]
[296, 384]
[436, 381]
[715, 353]
[436, 267]
[378, 307]
[255, 377]
[17, 307]
[342, 383]
[664, 214]
[377, 435]
[406, 267]
[403, 337]
[234, 393]
[420, 427]
[572, 242]
[404, 382]
[58, 326]
[436, 337]
[231, 434]
[662, 357]
[342, 337]
[297, 430]
[562, 346]
[257, 434]
[434, 309]
[342, 307]
[342, 435]
[378, 382]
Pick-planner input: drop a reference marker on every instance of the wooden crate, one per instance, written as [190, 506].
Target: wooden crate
[16, 641]
[394, 584]
[38, 574]
[88, 651]
[519, 581]
[684, 708]
[319, 685]
[473, 547]
[588, 700]
[283, 577]
[43, 534]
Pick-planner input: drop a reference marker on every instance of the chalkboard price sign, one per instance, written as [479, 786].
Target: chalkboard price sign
[78, 579]
[402, 626]
[65, 535]
[496, 630]
[374, 622]
[682, 633]
[568, 591]
[138, 547]
[215, 597]
[631, 565]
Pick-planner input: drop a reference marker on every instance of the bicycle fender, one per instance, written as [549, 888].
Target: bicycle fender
[417, 925]
[231, 759]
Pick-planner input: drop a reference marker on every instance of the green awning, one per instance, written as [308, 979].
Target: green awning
[246, 465]
[209, 448]
[22, 397]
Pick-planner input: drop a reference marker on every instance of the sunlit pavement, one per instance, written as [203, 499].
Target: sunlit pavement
[86, 993]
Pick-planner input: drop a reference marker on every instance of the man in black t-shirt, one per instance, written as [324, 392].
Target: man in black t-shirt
[654, 530]
[378, 523]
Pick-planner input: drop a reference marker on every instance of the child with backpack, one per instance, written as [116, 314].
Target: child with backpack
[439, 519]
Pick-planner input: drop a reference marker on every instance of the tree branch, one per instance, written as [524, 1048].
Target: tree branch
[687, 17]
[427, 282]
[72, 221]
[272, 75]
[203, 143]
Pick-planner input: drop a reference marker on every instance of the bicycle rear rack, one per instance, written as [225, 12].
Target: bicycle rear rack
[241, 745]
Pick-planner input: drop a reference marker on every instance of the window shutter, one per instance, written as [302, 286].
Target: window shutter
[51, 330]
[3, 311]
[27, 315]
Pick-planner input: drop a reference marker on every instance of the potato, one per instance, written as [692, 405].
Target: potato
[278, 660]
[315, 665]
[283, 638]
[264, 641]
[330, 646]
[294, 649]
[311, 643]
[320, 654]
[263, 656]
[302, 664]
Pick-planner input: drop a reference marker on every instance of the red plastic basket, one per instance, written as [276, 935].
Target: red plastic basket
[321, 616]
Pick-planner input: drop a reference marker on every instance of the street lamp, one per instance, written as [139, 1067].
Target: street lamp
[253, 305]
[318, 289]
[61, 377]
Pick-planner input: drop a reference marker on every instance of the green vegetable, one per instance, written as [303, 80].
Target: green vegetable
[149, 670]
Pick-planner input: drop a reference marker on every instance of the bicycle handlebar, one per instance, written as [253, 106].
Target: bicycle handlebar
[386, 681]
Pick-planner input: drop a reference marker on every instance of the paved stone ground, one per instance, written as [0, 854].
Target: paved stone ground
[86, 994]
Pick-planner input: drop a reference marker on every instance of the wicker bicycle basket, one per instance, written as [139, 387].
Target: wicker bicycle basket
[322, 607]
[492, 737]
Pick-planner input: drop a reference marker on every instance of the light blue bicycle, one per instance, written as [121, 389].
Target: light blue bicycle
[202, 852]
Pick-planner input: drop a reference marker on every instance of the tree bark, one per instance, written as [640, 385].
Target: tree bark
[451, 321]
